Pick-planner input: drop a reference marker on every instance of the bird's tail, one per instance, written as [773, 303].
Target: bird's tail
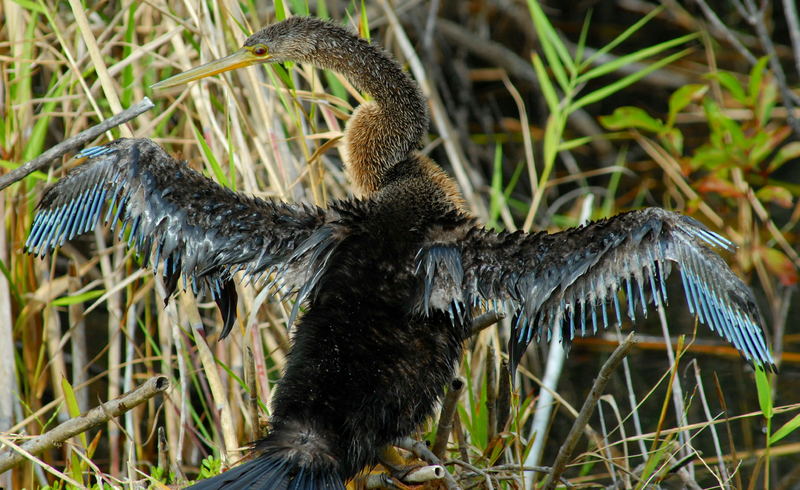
[296, 459]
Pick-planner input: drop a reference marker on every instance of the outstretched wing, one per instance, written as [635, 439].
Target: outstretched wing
[181, 219]
[572, 279]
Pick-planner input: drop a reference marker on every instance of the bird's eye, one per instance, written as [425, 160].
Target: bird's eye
[259, 50]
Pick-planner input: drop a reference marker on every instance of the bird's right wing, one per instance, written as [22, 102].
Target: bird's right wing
[187, 222]
[572, 279]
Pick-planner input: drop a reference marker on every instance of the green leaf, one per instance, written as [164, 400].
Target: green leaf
[764, 393]
[631, 117]
[69, 397]
[785, 430]
[627, 81]
[732, 85]
[709, 158]
[724, 130]
[673, 139]
[682, 98]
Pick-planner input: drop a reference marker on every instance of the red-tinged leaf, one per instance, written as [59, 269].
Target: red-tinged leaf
[776, 195]
[717, 185]
[631, 117]
[789, 152]
[780, 266]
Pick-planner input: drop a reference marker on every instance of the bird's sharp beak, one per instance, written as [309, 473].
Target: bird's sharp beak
[239, 59]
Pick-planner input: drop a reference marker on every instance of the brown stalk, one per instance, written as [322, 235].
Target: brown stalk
[491, 393]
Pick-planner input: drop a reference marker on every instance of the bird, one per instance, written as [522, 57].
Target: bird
[391, 278]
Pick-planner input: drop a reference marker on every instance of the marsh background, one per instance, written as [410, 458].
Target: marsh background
[543, 125]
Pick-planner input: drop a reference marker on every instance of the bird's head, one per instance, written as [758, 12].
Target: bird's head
[292, 39]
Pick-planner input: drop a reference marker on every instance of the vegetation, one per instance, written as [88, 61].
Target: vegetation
[545, 117]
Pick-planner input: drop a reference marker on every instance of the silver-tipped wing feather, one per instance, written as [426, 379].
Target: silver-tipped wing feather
[177, 217]
[572, 279]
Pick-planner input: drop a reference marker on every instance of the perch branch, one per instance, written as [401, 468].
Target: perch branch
[93, 418]
[445, 425]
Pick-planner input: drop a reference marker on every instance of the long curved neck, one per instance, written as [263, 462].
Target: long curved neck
[382, 133]
[368, 67]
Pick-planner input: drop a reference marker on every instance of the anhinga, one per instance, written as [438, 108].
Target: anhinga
[390, 279]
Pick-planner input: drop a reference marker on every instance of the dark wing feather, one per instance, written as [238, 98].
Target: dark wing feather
[572, 279]
[179, 218]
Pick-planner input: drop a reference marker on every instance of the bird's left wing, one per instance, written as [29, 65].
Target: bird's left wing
[573, 279]
[179, 218]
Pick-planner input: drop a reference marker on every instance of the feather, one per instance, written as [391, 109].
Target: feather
[203, 232]
[549, 279]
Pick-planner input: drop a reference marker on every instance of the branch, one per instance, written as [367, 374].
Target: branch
[93, 418]
[445, 425]
[722, 30]
[75, 142]
[485, 320]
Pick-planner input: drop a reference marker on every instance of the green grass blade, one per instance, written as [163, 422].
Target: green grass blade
[623, 36]
[364, 22]
[627, 59]
[785, 430]
[582, 39]
[554, 49]
[764, 393]
[211, 159]
[78, 298]
[629, 80]
[496, 193]
[128, 77]
[548, 90]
